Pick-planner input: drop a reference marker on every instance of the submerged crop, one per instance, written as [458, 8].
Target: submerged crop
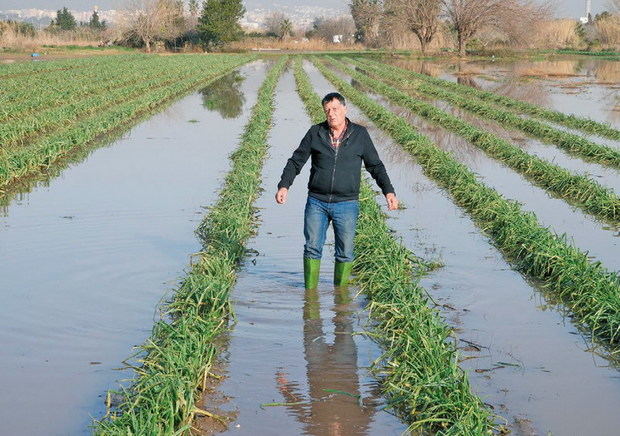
[174, 362]
[419, 368]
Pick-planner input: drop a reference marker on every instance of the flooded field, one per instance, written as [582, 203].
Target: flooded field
[89, 254]
[86, 257]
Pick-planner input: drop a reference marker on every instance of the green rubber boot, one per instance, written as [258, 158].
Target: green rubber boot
[311, 272]
[342, 271]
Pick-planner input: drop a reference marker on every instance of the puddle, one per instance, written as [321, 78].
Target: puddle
[291, 346]
[524, 358]
[86, 257]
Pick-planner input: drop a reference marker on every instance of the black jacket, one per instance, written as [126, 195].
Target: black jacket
[335, 172]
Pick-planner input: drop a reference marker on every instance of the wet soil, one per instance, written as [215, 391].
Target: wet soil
[524, 356]
[296, 362]
[86, 257]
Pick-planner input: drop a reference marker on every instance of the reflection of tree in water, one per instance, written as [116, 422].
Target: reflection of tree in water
[225, 96]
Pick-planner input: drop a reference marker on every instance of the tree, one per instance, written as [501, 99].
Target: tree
[219, 22]
[418, 16]
[467, 17]
[366, 15]
[279, 25]
[153, 20]
[64, 20]
[95, 23]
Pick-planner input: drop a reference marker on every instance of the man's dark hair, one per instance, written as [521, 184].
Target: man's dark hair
[331, 96]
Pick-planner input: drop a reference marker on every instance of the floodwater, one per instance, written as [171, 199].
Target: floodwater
[291, 346]
[524, 357]
[586, 87]
[86, 257]
[599, 239]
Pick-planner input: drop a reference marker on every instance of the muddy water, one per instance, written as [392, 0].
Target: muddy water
[498, 316]
[86, 257]
[609, 177]
[291, 346]
[584, 87]
[599, 239]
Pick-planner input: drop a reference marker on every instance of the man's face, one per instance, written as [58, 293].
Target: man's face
[335, 112]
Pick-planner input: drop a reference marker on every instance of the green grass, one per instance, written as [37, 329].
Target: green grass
[419, 369]
[174, 363]
[590, 291]
[68, 126]
[578, 190]
[477, 101]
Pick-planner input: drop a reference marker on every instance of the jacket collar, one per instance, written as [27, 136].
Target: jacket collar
[324, 130]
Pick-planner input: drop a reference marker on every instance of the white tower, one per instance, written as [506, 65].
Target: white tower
[588, 17]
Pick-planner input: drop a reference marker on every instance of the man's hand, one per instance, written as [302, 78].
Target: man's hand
[392, 201]
[282, 194]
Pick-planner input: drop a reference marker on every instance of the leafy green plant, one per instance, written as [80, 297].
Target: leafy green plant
[579, 190]
[174, 362]
[68, 128]
[481, 96]
[585, 287]
[419, 369]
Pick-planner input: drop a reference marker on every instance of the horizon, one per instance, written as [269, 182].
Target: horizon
[563, 8]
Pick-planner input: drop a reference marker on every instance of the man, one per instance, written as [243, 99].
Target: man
[338, 147]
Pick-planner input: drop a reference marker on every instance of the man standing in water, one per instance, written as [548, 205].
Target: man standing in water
[338, 147]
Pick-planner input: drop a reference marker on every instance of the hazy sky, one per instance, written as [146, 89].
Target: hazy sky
[565, 8]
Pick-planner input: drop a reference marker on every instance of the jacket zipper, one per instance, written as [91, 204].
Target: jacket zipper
[331, 189]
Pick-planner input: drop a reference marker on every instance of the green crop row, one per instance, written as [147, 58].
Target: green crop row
[570, 142]
[20, 131]
[572, 121]
[44, 94]
[421, 377]
[587, 288]
[35, 67]
[579, 190]
[176, 360]
[21, 161]
[588, 53]
[23, 86]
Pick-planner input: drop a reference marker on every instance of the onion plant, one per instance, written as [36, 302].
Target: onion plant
[419, 370]
[589, 290]
[574, 144]
[174, 363]
[568, 120]
[579, 190]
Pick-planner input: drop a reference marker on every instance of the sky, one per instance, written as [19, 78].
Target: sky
[565, 8]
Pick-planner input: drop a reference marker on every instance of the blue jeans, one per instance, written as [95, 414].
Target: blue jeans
[317, 217]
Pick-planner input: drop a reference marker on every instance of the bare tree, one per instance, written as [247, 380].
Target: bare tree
[366, 15]
[515, 18]
[467, 17]
[152, 20]
[418, 16]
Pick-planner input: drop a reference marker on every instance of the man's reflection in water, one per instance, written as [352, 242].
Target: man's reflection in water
[330, 368]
